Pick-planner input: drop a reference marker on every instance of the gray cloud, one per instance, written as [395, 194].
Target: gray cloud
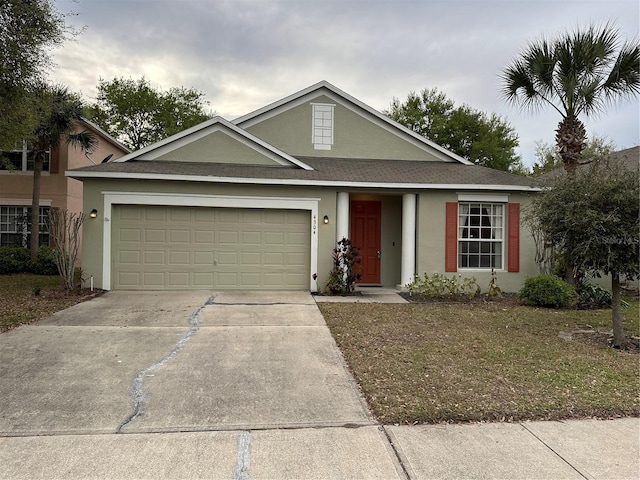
[244, 54]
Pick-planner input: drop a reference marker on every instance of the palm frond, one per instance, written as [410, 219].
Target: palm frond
[86, 140]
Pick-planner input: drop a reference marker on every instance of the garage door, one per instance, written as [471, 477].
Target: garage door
[160, 247]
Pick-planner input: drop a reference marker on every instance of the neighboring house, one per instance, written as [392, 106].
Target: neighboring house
[259, 203]
[56, 189]
[629, 159]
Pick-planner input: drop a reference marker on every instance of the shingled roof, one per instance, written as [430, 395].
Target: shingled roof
[326, 172]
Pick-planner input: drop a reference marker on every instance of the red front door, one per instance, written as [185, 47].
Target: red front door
[365, 234]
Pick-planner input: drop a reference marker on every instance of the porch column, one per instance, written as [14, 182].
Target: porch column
[408, 259]
[342, 216]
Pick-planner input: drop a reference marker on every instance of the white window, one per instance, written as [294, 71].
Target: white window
[21, 159]
[480, 235]
[14, 226]
[322, 126]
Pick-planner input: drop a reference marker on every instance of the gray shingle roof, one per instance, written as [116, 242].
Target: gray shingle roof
[325, 170]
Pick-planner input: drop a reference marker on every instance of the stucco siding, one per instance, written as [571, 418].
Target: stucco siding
[354, 135]
[217, 147]
[430, 244]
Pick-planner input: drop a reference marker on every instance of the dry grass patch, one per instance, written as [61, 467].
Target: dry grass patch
[430, 363]
[19, 304]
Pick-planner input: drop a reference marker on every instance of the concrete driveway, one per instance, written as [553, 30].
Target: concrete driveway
[243, 385]
[184, 384]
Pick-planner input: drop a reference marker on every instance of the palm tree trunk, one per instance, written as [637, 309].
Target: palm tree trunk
[616, 311]
[571, 137]
[38, 161]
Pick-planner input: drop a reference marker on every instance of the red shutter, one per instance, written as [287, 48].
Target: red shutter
[451, 241]
[513, 255]
[54, 160]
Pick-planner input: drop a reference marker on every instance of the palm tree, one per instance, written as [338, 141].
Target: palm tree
[579, 72]
[59, 113]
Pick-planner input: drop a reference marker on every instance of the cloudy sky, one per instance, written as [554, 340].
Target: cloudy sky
[245, 54]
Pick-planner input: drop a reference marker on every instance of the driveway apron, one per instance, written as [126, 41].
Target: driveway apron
[184, 385]
[176, 361]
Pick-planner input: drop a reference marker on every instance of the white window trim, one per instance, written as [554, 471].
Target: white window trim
[25, 158]
[25, 206]
[484, 199]
[321, 146]
[195, 200]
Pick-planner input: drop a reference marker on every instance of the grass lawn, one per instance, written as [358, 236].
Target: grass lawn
[19, 305]
[430, 363]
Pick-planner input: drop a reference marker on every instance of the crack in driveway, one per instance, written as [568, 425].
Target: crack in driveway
[137, 388]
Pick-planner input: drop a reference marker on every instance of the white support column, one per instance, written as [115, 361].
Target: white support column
[408, 262]
[342, 213]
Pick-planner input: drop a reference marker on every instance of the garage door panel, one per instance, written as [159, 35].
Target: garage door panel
[228, 215]
[201, 236]
[130, 235]
[129, 279]
[226, 237]
[296, 260]
[178, 279]
[154, 257]
[203, 258]
[129, 257]
[179, 258]
[250, 259]
[297, 239]
[203, 279]
[274, 238]
[154, 235]
[179, 236]
[156, 247]
[153, 280]
[228, 259]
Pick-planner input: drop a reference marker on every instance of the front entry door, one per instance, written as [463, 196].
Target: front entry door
[365, 233]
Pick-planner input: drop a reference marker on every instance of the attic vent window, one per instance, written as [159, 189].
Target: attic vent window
[322, 130]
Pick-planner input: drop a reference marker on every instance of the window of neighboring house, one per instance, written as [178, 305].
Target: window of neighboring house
[480, 235]
[22, 160]
[322, 126]
[14, 226]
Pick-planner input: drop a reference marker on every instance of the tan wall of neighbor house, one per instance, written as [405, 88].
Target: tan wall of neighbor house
[354, 135]
[93, 228]
[217, 147]
[16, 185]
[73, 157]
[430, 255]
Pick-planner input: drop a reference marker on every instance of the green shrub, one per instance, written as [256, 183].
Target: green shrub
[45, 263]
[14, 260]
[548, 291]
[442, 286]
[594, 296]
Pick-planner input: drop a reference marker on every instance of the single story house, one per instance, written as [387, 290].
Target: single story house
[260, 202]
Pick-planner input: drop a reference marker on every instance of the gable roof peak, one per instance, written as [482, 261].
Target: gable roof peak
[213, 124]
[294, 99]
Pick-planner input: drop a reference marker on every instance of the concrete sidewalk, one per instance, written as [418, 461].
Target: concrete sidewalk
[243, 385]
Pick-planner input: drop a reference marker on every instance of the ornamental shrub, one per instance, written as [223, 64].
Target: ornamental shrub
[548, 291]
[45, 263]
[14, 260]
[439, 285]
[343, 277]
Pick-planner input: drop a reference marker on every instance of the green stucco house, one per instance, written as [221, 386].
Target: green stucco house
[259, 203]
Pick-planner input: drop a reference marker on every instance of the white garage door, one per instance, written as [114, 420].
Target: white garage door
[160, 247]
